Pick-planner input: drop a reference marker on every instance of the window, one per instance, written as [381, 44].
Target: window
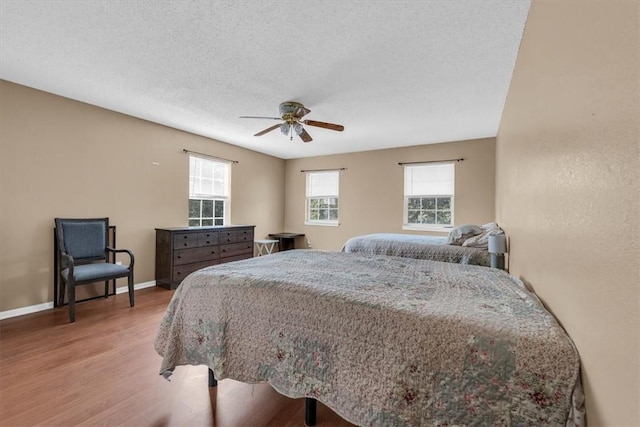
[209, 182]
[428, 195]
[322, 198]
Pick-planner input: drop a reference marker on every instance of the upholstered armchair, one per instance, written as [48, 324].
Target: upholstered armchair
[84, 257]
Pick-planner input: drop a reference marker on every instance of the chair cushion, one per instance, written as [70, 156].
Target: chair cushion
[96, 271]
[84, 239]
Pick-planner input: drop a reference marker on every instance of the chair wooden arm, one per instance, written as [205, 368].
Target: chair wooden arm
[127, 251]
[68, 261]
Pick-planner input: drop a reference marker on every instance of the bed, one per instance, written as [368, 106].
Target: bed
[417, 246]
[381, 340]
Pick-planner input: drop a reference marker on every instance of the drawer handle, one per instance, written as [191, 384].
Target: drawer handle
[208, 242]
[224, 250]
[185, 236]
[186, 244]
[179, 256]
[178, 273]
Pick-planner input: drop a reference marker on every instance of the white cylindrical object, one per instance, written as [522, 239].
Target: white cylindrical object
[498, 244]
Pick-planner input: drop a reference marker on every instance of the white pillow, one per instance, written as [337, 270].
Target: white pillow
[482, 240]
[461, 233]
[490, 226]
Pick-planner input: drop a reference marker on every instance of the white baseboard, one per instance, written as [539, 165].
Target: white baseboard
[47, 305]
[123, 289]
[25, 310]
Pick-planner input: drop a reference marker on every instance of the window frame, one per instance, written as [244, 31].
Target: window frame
[225, 197]
[406, 225]
[308, 201]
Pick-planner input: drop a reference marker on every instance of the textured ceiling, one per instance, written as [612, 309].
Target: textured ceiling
[394, 73]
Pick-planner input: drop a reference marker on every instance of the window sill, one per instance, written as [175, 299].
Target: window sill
[324, 224]
[434, 228]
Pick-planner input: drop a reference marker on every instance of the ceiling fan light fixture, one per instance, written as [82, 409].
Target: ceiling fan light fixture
[289, 107]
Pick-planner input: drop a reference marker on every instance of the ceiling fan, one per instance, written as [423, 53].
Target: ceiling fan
[291, 113]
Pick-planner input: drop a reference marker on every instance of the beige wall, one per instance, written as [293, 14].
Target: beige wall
[568, 185]
[372, 189]
[62, 158]
[50, 145]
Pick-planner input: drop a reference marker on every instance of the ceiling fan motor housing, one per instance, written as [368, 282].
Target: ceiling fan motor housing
[289, 107]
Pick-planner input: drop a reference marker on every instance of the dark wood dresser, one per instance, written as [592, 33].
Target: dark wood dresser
[183, 250]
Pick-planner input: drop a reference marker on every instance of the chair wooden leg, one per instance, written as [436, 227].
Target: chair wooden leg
[131, 296]
[62, 290]
[106, 289]
[72, 302]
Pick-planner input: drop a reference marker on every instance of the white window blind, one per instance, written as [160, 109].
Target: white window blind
[323, 184]
[208, 178]
[422, 180]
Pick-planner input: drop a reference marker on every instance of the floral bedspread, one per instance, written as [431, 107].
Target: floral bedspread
[383, 341]
[417, 246]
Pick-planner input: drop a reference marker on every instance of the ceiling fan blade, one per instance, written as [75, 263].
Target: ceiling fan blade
[325, 125]
[260, 117]
[305, 136]
[269, 129]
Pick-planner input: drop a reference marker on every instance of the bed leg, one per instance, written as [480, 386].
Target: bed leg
[212, 380]
[310, 412]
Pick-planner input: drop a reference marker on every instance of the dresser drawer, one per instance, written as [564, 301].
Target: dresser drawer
[236, 236]
[237, 257]
[208, 238]
[244, 235]
[182, 271]
[228, 237]
[187, 256]
[235, 249]
[185, 240]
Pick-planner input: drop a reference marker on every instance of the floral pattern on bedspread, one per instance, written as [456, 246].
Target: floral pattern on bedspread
[383, 341]
[420, 247]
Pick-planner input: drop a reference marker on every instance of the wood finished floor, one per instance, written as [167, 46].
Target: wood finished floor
[103, 371]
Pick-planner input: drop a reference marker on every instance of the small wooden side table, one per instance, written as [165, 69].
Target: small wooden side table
[287, 241]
